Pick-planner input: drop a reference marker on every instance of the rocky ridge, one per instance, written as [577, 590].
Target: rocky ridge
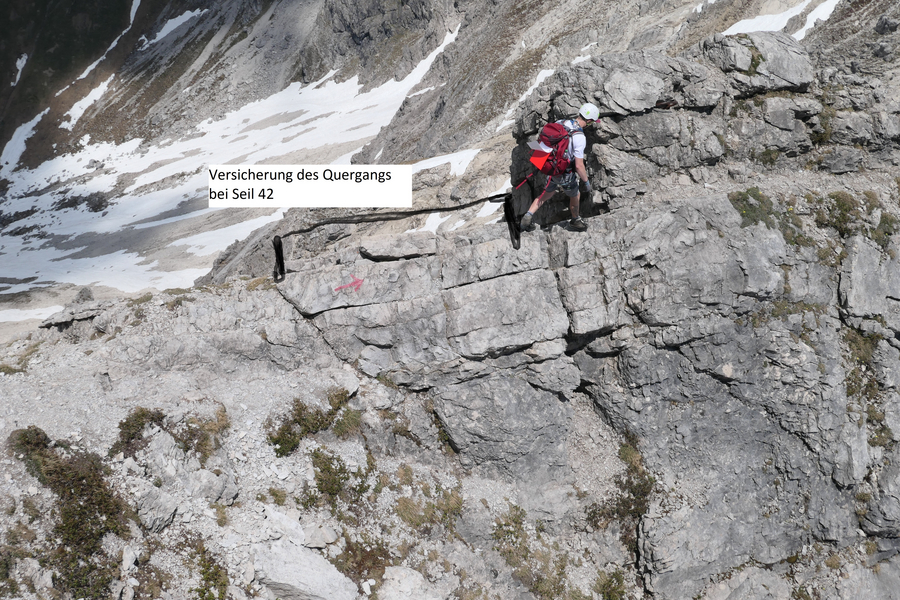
[696, 398]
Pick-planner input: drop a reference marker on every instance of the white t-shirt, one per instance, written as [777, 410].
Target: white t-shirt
[576, 147]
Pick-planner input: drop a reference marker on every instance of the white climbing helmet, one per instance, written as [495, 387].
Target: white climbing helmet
[589, 112]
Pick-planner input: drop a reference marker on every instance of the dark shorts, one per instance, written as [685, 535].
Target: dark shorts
[567, 182]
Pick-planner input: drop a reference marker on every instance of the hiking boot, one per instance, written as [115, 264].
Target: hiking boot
[577, 225]
[525, 223]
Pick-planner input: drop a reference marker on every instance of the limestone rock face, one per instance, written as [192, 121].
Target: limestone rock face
[419, 320]
[714, 341]
[506, 425]
[870, 283]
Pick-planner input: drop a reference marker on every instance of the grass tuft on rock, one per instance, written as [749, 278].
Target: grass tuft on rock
[364, 559]
[87, 510]
[755, 207]
[131, 430]
[8, 586]
[610, 586]
[635, 487]
[213, 576]
[303, 421]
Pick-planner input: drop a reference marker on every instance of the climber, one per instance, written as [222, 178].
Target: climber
[576, 173]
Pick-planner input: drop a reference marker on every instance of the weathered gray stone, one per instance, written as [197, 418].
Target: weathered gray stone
[79, 311]
[852, 456]
[618, 168]
[727, 53]
[156, 508]
[314, 292]
[504, 313]
[752, 583]
[39, 577]
[287, 524]
[506, 426]
[886, 25]
[559, 375]
[852, 128]
[841, 160]
[319, 536]
[409, 333]
[205, 484]
[886, 126]
[760, 61]
[467, 260]
[631, 90]
[798, 107]
[870, 282]
[859, 581]
[883, 515]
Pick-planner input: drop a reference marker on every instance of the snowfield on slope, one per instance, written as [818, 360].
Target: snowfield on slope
[777, 22]
[148, 182]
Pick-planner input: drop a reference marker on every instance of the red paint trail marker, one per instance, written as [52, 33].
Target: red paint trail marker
[354, 284]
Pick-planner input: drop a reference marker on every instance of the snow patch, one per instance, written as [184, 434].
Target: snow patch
[432, 223]
[295, 119]
[82, 105]
[767, 22]
[820, 13]
[488, 209]
[171, 25]
[14, 148]
[459, 162]
[540, 79]
[210, 242]
[134, 8]
[16, 314]
[426, 90]
[20, 64]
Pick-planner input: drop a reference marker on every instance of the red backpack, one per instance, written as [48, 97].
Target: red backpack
[557, 138]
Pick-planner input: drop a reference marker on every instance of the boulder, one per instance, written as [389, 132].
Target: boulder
[631, 90]
[852, 128]
[841, 160]
[156, 508]
[293, 572]
[205, 484]
[886, 25]
[319, 536]
[779, 63]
